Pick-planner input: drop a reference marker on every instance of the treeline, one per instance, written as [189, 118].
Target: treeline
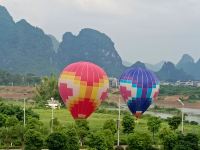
[192, 92]
[7, 78]
[36, 136]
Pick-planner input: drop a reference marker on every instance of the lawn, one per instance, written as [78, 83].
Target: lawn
[96, 120]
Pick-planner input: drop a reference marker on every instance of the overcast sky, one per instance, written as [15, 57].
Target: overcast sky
[145, 30]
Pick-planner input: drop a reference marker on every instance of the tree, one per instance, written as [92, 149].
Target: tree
[97, 141]
[72, 140]
[109, 138]
[174, 122]
[111, 125]
[6, 136]
[139, 141]
[57, 141]
[82, 129]
[128, 124]
[33, 140]
[187, 142]
[11, 121]
[168, 139]
[33, 123]
[154, 124]
[48, 88]
[2, 120]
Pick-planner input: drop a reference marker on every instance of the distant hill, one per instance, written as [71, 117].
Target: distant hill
[55, 43]
[169, 72]
[27, 49]
[23, 47]
[188, 64]
[139, 64]
[90, 45]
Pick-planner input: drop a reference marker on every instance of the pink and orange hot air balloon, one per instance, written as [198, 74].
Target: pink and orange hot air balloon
[83, 86]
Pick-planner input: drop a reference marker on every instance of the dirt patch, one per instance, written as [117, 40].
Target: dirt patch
[16, 92]
[171, 102]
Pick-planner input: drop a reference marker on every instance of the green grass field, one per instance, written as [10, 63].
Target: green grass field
[96, 120]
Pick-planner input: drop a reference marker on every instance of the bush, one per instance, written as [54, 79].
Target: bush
[194, 123]
[57, 141]
[168, 139]
[33, 140]
[111, 125]
[128, 124]
[97, 141]
[139, 141]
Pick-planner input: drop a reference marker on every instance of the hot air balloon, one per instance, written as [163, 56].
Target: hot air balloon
[82, 87]
[138, 87]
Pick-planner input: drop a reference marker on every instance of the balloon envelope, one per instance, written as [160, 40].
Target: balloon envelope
[82, 86]
[138, 87]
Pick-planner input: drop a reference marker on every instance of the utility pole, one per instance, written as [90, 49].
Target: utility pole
[52, 117]
[118, 123]
[182, 113]
[24, 112]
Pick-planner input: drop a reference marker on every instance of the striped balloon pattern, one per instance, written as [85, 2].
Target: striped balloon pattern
[83, 86]
[139, 87]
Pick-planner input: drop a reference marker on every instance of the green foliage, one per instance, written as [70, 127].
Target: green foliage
[48, 88]
[168, 139]
[8, 135]
[11, 121]
[82, 129]
[33, 124]
[7, 78]
[187, 142]
[12, 110]
[97, 141]
[192, 92]
[139, 141]
[111, 125]
[154, 124]
[128, 124]
[57, 141]
[174, 122]
[109, 137]
[194, 123]
[72, 140]
[2, 120]
[33, 140]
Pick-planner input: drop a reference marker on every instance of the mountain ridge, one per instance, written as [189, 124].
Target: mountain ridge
[25, 48]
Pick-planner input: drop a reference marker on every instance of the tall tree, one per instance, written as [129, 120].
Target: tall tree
[128, 124]
[33, 140]
[154, 124]
[47, 89]
[139, 141]
[111, 125]
[168, 138]
[57, 141]
[82, 129]
[72, 140]
[174, 122]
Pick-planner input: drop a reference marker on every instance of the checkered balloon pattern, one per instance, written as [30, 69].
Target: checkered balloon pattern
[83, 86]
[139, 87]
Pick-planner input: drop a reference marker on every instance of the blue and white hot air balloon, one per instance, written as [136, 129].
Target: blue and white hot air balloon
[139, 87]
